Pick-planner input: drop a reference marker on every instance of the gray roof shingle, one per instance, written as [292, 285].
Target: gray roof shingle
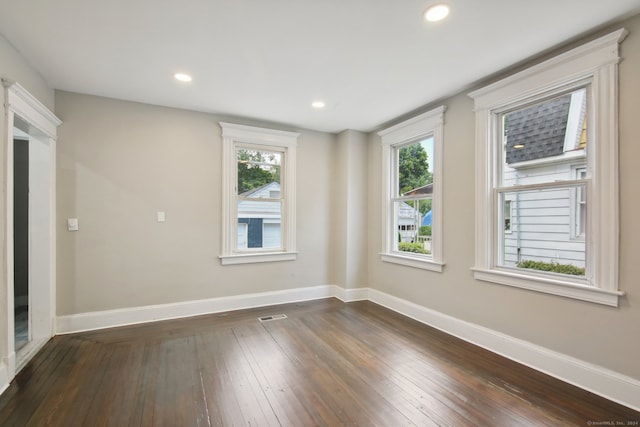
[540, 129]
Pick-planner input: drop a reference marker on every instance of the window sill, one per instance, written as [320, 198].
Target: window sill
[257, 257]
[410, 261]
[549, 286]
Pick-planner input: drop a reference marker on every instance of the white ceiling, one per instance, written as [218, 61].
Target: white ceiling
[369, 60]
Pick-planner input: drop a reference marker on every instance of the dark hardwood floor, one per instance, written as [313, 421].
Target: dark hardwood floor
[328, 363]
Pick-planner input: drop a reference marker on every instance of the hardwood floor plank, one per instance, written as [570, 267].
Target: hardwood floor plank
[327, 364]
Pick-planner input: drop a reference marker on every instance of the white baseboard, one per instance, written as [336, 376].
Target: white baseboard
[596, 379]
[4, 376]
[130, 316]
[350, 295]
[601, 381]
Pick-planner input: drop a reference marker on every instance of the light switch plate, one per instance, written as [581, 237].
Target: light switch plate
[160, 216]
[72, 224]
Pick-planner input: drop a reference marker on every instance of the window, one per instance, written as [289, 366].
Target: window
[412, 173]
[546, 184]
[258, 194]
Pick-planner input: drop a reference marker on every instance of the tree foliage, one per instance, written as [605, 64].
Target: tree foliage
[552, 266]
[256, 169]
[413, 168]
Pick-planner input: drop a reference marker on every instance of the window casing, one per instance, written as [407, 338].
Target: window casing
[412, 193]
[258, 194]
[585, 79]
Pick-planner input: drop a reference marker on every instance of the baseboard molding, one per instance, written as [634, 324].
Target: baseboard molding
[596, 379]
[350, 295]
[4, 376]
[131, 316]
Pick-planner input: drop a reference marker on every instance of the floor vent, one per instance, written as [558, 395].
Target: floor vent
[274, 317]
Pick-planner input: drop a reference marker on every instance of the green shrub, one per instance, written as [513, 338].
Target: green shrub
[417, 248]
[553, 267]
[425, 230]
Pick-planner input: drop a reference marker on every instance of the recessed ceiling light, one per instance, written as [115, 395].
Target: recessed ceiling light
[182, 77]
[436, 12]
[318, 104]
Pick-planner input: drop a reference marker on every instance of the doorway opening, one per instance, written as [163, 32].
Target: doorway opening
[21, 238]
[29, 264]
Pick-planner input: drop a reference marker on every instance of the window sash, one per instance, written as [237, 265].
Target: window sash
[412, 131]
[238, 137]
[593, 65]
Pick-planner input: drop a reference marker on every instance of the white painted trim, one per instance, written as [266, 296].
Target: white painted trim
[593, 66]
[549, 74]
[350, 295]
[27, 352]
[43, 125]
[550, 286]
[258, 257]
[151, 313]
[260, 136]
[430, 123]
[596, 379]
[409, 261]
[20, 101]
[4, 377]
[601, 381]
[232, 135]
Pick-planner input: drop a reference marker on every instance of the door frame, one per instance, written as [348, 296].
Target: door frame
[19, 102]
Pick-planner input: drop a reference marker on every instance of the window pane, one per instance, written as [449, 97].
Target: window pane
[259, 221]
[540, 235]
[415, 168]
[550, 137]
[506, 219]
[259, 173]
[413, 219]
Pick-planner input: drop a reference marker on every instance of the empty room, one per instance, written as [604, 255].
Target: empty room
[301, 213]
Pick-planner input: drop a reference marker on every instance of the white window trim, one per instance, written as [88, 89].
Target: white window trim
[412, 130]
[594, 64]
[232, 135]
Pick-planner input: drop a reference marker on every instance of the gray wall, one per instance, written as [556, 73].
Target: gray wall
[121, 162]
[602, 335]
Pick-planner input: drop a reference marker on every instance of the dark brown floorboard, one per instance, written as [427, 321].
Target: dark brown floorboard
[328, 363]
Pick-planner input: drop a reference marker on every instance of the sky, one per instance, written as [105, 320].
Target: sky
[427, 144]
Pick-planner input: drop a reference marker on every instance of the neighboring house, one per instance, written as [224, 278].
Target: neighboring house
[259, 221]
[427, 218]
[546, 142]
[409, 220]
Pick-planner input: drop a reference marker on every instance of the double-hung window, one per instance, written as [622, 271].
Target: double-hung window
[258, 194]
[412, 191]
[546, 176]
